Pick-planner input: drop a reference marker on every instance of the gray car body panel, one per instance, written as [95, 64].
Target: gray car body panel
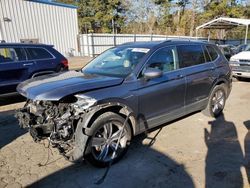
[56, 86]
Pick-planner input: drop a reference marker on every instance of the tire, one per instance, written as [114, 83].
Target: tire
[101, 145]
[216, 101]
[235, 79]
[239, 78]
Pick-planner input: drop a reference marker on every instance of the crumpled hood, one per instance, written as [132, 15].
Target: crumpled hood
[245, 55]
[56, 86]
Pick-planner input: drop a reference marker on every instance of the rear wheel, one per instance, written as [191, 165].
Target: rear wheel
[216, 102]
[106, 131]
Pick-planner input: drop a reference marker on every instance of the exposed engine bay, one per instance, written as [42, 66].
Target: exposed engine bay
[66, 123]
[53, 120]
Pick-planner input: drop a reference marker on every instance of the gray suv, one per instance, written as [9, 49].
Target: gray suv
[94, 113]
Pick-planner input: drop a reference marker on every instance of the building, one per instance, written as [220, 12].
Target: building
[40, 21]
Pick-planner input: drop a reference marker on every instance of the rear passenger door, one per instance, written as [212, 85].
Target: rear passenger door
[200, 75]
[13, 69]
[42, 59]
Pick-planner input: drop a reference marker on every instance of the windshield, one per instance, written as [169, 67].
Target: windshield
[118, 61]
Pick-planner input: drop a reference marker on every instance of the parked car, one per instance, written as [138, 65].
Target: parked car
[240, 64]
[150, 83]
[226, 50]
[19, 62]
[233, 48]
[241, 48]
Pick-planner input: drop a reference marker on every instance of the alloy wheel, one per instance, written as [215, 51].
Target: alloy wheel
[105, 139]
[218, 101]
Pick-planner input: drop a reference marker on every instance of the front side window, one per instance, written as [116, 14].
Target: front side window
[12, 55]
[190, 55]
[119, 61]
[165, 59]
[38, 53]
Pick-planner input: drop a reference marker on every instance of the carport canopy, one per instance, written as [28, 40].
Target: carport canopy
[225, 23]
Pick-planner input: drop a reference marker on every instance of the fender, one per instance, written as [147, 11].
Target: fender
[102, 107]
[42, 73]
[222, 80]
[83, 130]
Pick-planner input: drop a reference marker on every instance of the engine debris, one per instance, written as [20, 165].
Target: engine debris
[53, 120]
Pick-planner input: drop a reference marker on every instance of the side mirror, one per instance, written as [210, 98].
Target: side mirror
[151, 73]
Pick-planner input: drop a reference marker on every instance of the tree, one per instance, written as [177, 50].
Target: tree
[172, 17]
[99, 15]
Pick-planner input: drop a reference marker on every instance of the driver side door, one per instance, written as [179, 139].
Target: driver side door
[162, 99]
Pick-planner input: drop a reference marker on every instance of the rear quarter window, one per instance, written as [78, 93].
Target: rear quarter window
[38, 53]
[212, 52]
[190, 55]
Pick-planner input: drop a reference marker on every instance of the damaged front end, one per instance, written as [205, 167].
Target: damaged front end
[58, 122]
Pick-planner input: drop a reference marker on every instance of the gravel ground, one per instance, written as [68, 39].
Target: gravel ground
[195, 151]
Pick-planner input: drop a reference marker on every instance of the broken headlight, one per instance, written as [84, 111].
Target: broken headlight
[84, 102]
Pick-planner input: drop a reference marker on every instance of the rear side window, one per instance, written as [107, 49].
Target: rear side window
[212, 52]
[12, 55]
[190, 55]
[38, 53]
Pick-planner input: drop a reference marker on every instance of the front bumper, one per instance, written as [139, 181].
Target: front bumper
[240, 68]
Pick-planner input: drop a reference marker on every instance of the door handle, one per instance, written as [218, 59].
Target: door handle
[27, 64]
[180, 76]
[212, 68]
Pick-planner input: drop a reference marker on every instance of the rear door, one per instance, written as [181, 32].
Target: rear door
[161, 99]
[13, 68]
[43, 59]
[199, 72]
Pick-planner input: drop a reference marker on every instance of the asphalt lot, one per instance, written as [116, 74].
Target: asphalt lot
[195, 151]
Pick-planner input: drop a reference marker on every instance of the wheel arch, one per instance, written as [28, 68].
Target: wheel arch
[41, 73]
[220, 81]
[116, 107]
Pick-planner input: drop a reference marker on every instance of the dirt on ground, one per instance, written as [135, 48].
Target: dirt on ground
[195, 151]
[76, 63]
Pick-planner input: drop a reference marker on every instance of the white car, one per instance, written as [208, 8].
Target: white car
[240, 64]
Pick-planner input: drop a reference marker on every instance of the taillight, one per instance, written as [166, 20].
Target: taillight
[65, 62]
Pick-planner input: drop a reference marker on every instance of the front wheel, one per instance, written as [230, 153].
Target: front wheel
[216, 101]
[107, 129]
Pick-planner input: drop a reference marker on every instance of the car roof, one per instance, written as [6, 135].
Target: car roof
[3, 44]
[154, 44]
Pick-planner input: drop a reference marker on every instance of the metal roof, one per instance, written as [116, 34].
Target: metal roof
[224, 23]
[54, 3]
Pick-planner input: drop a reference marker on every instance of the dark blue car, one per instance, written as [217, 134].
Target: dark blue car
[19, 62]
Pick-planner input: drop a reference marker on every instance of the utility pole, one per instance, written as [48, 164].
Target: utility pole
[113, 26]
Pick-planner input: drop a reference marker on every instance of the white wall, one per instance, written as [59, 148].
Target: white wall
[50, 24]
[95, 43]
